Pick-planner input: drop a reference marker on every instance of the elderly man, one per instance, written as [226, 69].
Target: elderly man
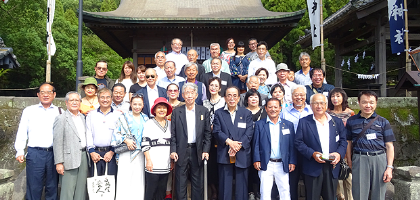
[100, 124]
[192, 56]
[191, 70]
[160, 61]
[321, 140]
[176, 55]
[226, 79]
[370, 138]
[215, 53]
[170, 77]
[294, 113]
[263, 62]
[252, 55]
[233, 130]
[36, 127]
[103, 80]
[302, 76]
[151, 92]
[190, 143]
[118, 103]
[317, 76]
[70, 154]
[274, 154]
[253, 82]
[282, 73]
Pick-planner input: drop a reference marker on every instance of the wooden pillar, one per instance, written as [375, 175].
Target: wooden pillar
[338, 73]
[135, 56]
[380, 56]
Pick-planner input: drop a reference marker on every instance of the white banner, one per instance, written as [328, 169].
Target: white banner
[314, 19]
[50, 19]
[367, 76]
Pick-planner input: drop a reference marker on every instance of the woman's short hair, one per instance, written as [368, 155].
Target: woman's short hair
[275, 86]
[215, 78]
[227, 42]
[345, 103]
[251, 92]
[261, 69]
[172, 84]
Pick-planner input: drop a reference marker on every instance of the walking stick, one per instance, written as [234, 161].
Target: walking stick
[205, 179]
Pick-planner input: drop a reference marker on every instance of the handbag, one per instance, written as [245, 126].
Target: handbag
[344, 167]
[101, 187]
[121, 148]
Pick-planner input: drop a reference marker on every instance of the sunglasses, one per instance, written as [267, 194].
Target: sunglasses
[150, 76]
[170, 91]
[137, 95]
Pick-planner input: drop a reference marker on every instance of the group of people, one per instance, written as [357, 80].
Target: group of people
[252, 121]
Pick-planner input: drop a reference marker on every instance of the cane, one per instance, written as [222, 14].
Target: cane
[205, 179]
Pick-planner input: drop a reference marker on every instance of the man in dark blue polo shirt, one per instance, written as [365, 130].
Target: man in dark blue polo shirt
[318, 86]
[373, 152]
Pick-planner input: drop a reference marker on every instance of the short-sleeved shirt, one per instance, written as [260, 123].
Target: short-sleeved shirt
[101, 83]
[134, 88]
[380, 128]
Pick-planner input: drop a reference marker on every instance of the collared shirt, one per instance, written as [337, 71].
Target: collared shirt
[152, 95]
[100, 128]
[123, 106]
[191, 124]
[380, 133]
[164, 82]
[36, 126]
[218, 75]
[311, 90]
[275, 138]
[324, 133]
[268, 64]
[160, 73]
[203, 90]
[179, 59]
[78, 122]
[253, 55]
[291, 114]
[288, 91]
[207, 66]
[232, 114]
[304, 79]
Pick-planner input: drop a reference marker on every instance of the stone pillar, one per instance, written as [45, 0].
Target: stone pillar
[380, 55]
[407, 183]
[6, 186]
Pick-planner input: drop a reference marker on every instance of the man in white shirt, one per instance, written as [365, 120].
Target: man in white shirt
[36, 127]
[118, 93]
[170, 77]
[263, 62]
[282, 73]
[176, 55]
[160, 60]
[215, 53]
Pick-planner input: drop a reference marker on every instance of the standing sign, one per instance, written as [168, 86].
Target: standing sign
[396, 25]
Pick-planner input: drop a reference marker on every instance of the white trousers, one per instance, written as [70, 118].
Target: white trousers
[130, 177]
[274, 171]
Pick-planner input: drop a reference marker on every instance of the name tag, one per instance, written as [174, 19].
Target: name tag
[286, 131]
[241, 125]
[224, 82]
[337, 138]
[202, 117]
[325, 94]
[371, 136]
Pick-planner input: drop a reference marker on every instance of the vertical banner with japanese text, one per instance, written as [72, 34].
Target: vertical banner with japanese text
[396, 25]
[50, 19]
[314, 19]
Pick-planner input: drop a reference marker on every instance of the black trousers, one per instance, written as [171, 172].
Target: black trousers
[155, 186]
[189, 165]
[324, 185]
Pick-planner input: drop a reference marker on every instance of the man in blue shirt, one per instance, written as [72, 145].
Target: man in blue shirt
[318, 86]
[373, 152]
[170, 77]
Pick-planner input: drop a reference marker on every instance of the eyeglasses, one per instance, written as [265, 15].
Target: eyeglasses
[46, 92]
[177, 44]
[137, 95]
[105, 97]
[299, 95]
[150, 76]
[170, 91]
[190, 92]
[229, 96]
[321, 103]
[101, 68]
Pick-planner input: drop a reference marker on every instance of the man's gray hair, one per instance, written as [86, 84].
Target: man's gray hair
[304, 54]
[177, 39]
[249, 78]
[72, 92]
[293, 88]
[160, 52]
[189, 65]
[103, 90]
[170, 61]
[191, 85]
[310, 99]
[215, 44]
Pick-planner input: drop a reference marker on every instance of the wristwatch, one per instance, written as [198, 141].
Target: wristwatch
[390, 166]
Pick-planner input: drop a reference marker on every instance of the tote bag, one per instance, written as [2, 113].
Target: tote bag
[101, 187]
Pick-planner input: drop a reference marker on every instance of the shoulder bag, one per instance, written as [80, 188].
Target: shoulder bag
[344, 167]
[121, 148]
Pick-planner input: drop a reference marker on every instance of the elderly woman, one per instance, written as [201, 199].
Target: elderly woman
[90, 101]
[127, 78]
[141, 77]
[277, 91]
[172, 91]
[129, 130]
[338, 106]
[262, 74]
[156, 147]
[239, 67]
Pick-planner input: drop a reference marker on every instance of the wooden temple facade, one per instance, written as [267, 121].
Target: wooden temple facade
[365, 23]
[140, 28]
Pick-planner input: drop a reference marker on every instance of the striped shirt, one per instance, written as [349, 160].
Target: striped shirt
[380, 128]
